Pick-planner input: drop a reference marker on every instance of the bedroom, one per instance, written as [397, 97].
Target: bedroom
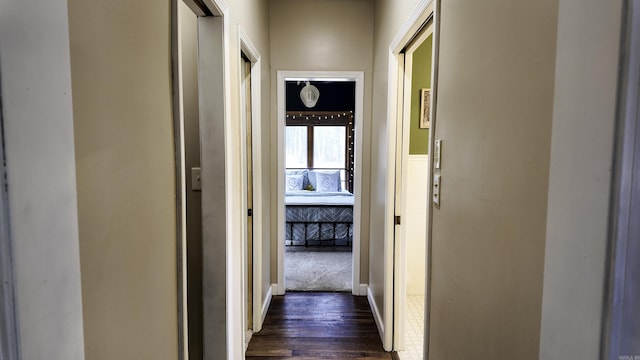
[319, 182]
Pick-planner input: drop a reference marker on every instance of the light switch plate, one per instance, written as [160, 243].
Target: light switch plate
[436, 189]
[196, 183]
[436, 153]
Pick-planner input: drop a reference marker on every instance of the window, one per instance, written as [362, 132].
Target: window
[321, 140]
[329, 146]
[296, 147]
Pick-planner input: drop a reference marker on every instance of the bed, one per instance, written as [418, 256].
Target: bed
[317, 212]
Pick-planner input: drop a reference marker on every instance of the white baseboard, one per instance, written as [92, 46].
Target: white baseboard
[265, 304]
[277, 289]
[247, 338]
[376, 313]
[362, 290]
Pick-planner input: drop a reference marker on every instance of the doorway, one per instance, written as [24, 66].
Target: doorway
[256, 294]
[412, 92]
[319, 177]
[306, 125]
[247, 182]
[411, 195]
[210, 320]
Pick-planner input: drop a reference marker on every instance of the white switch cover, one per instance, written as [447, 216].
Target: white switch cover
[436, 189]
[196, 184]
[436, 153]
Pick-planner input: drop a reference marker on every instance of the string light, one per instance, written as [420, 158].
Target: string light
[319, 117]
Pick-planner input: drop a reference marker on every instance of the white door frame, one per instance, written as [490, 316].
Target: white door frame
[358, 78]
[394, 310]
[251, 52]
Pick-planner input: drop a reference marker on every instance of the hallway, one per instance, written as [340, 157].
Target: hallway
[525, 104]
[317, 326]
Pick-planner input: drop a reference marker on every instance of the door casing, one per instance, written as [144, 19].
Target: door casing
[358, 78]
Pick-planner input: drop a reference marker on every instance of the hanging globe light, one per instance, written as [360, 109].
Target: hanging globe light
[309, 95]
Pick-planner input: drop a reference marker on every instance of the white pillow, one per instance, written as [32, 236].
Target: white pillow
[314, 182]
[303, 172]
[294, 182]
[327, 182]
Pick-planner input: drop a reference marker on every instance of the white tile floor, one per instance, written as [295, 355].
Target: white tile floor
[414, 328]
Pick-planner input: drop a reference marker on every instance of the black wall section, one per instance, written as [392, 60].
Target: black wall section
[334, 96]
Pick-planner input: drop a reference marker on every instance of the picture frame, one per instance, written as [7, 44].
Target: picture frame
[425, 108]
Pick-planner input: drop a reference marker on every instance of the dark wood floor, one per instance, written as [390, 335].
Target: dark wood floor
[318, 326]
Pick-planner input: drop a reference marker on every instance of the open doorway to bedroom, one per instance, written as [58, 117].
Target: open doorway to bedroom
[319, 159]
[319, 208]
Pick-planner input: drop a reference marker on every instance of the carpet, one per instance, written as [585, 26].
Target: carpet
[318, 271]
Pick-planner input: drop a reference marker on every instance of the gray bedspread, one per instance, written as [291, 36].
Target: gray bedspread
[319, 218]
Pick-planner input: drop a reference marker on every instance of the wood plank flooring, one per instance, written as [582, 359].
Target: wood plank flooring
[310, 326]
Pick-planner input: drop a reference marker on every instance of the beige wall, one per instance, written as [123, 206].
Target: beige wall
[37, 124]
[121, 69]
[489, 232]
[121, 72]
[581, 160]
[320, 36]
[488, 235]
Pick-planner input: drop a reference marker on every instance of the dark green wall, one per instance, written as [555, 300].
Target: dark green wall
[421, 78]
